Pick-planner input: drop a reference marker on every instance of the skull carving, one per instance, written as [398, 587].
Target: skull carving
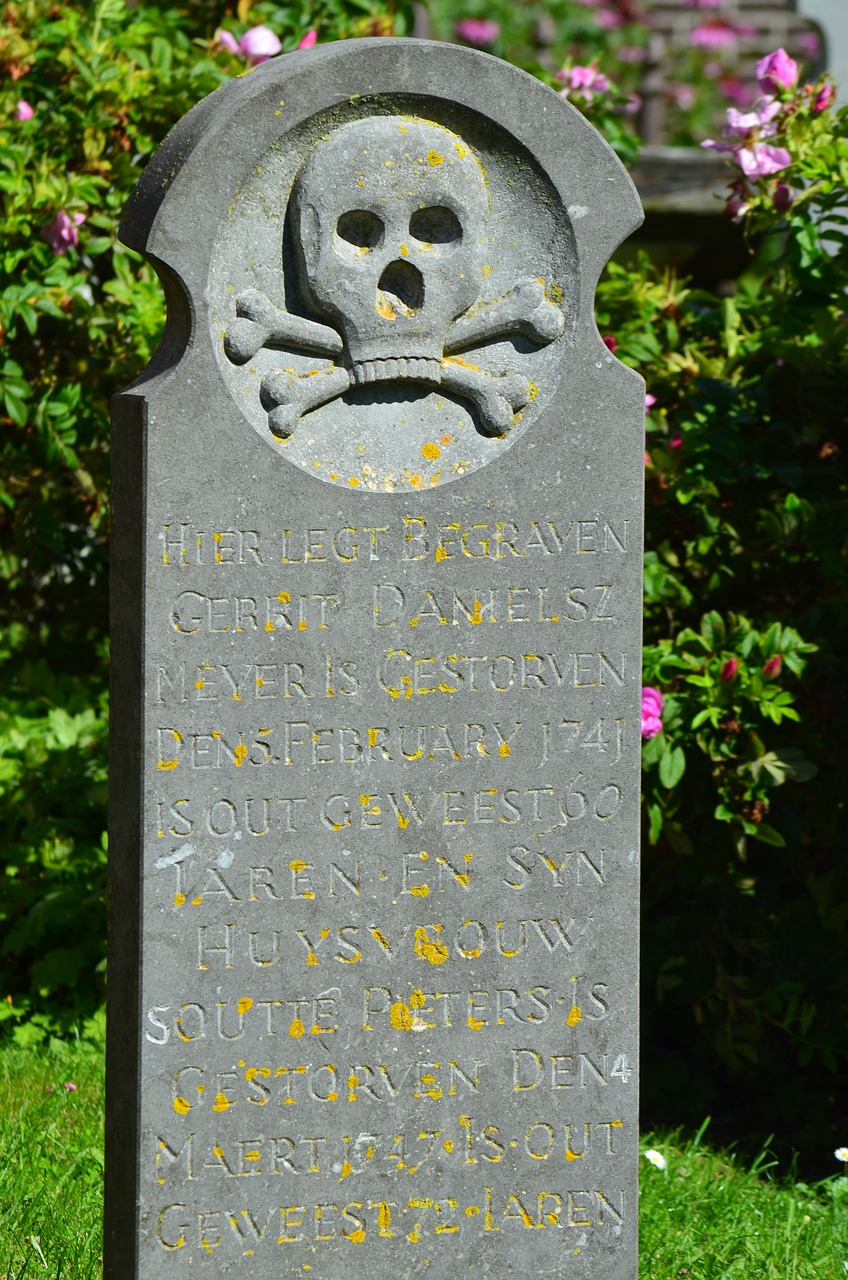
[390, 222]
[391, 216]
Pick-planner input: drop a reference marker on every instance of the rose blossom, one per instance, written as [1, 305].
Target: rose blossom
[734, 89]
[776, 71]
[585, 82]
[717, 33]
[477, 31]
[773, 666]
[259, 44]
[755, 158]
[729, 670]
[782, 197]
[652, 706]
[228, 40]
[681, 94]
[809, 44]
[308, 40]
[609, 19]
[761, 160]
[23, 111]
[62, 233]
[821, 102]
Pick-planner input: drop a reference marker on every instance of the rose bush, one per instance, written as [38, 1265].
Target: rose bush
[746, 596]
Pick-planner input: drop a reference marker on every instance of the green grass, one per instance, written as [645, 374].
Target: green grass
[706, 1216]
[51, 1164]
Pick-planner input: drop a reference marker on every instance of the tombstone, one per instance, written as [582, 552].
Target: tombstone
[376, 704]
[829, 17]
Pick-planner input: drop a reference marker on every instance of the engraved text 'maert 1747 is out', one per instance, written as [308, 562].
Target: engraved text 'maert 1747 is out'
[376, 628]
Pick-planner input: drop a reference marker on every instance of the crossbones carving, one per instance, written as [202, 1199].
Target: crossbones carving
[389, 218]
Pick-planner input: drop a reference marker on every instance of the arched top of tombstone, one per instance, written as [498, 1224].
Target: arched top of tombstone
[414, 214]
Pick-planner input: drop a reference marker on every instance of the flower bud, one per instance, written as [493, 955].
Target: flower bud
[777, 71]
[782, 197]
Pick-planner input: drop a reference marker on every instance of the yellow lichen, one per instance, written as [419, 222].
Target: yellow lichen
[428, 948]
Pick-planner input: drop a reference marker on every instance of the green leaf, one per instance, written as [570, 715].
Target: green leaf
[672, 767]
[653, 749]
[766, 835]
[655, 822]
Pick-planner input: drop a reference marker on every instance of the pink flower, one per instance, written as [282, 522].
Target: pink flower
[62, 234]
[729, 670]
[782, 197]
[821, 102]
[809, 44]
[650, 401]
[738, 203]
[773, 666]
[652, 706]
[676, 441]
[23, 111]
[734, 89]
[681, 94]
[228, 40]
[585, 82]
[777, 71]
[256, 45]
[718, 33]
[70, 1086]
[760, 117]
[609, 19]
[648, 462]
[259, 44]
[760, 160]
[308, 40]
[477, 31]
[610, 342]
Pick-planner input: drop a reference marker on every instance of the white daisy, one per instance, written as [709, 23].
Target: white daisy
[658, 1159]
[841, 1153]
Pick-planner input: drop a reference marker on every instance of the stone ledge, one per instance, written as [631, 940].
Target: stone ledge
[684, 180]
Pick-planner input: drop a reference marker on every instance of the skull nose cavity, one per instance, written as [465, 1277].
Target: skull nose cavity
[404, 286]
[435, 225]
[360, 228]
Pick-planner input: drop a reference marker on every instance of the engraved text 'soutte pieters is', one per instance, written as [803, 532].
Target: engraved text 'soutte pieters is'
[376, 694]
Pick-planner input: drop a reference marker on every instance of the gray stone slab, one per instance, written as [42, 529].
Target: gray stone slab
[831, 17]
[375, 772]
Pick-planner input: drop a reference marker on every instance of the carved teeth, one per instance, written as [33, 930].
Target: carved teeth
[397, 369]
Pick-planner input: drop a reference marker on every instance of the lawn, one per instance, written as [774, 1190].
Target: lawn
[705, 1215]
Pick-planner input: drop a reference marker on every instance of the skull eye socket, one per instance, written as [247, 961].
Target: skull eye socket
[436, 225]
[361, 228]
